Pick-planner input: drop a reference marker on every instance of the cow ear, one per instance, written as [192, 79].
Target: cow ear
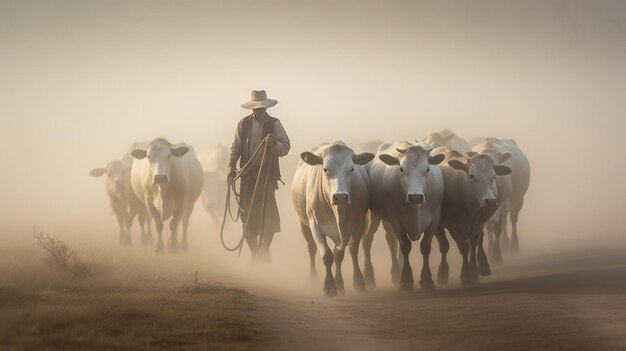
[180, 151]
[389, 160]
[504, 157]
[458, 165]
[471, 153]
[363, 158]
[436, 159]
[502, 170]
[97, 172]
[311, 158]
[139, 153]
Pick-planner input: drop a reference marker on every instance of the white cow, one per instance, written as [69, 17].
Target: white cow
[330, 194]
[168, 179]
[469, 199]
[406, 190]
[214, 162]
[520, 181]
[124, 204]
[448, 139]
[496, 224]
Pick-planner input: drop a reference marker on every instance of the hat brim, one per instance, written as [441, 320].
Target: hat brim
[259, 104]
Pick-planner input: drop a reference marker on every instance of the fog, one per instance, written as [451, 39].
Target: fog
[81, 80]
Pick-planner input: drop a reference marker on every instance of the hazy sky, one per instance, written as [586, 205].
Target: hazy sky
[82, 80]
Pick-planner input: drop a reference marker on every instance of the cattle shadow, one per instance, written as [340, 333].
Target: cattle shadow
[596, 281]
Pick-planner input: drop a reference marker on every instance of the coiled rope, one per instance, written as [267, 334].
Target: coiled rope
[262, 182]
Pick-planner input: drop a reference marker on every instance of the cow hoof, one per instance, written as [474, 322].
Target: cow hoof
[427, 285]
[469, 280]
[370, 282]
[330, 289]
[369, 277]
[359, 285]
[395, 276]
[406, 285]
[484, 271]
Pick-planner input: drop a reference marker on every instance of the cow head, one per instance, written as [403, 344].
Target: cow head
[117, 173]
[337, 163]
[414, 167]
[480, 175]
[159, 153]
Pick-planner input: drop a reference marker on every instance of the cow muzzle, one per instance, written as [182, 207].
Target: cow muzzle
[118, 186]
[160, 179]
[341, 199]
[414, 199]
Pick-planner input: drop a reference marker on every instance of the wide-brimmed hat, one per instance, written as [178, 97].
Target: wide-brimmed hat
[259, 100]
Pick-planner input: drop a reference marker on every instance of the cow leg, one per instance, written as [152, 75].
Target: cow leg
[158, 224]
[357, 276]
[121, 221]
[216, 218]
[130, 217]
[483, 264]
[426, 278]
[339, 255]
[308, 236]
[514, 238]
[444, 247]
[184, 245]
[328, 258]
[464, 248]
[473, 264]
[406, 280]
[489, 226]
[141, 218]
[496, 253]
[368, 239]
[172, 243]
[392, 242]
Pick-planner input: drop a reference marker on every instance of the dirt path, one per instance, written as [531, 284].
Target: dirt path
[558, 303]
[574, 301]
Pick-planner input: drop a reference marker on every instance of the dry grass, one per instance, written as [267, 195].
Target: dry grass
[61, 257]
[130, 304]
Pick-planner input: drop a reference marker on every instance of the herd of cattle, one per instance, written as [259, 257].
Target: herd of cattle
[417, 190]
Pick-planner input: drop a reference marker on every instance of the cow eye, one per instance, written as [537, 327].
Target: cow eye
[352, 170]
[401, 169]
[427, 169]
[471, 176]
[325, 170]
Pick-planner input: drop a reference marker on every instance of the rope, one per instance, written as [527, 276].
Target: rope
[264, 172]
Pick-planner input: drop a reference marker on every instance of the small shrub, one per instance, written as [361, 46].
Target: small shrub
[61, 256]
[198, 287]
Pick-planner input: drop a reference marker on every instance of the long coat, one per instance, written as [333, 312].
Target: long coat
[248, 137]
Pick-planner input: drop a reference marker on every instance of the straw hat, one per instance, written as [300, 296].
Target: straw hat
[259, 100]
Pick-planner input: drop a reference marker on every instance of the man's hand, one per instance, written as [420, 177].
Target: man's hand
[270, 139]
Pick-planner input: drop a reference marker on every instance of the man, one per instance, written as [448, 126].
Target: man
[251, 131]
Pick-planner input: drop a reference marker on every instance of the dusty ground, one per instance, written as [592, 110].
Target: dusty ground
[573, 300]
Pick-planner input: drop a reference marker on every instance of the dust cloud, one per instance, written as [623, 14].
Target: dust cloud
[83, 80]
